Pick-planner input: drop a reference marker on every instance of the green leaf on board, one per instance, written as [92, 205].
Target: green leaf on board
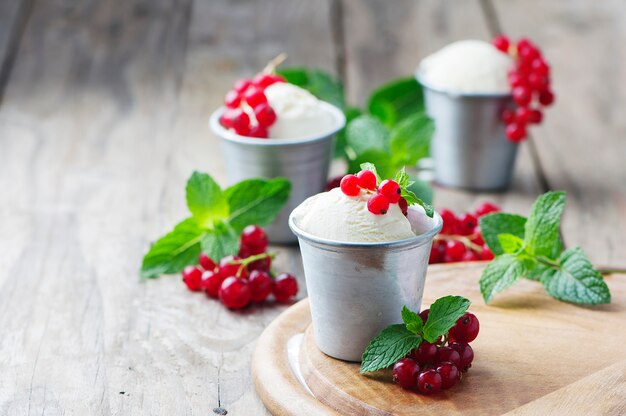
[221, 242]
[492, 225]
[412, 321]
[393, 343]
[205, 199]
[542, 231]
[443, 314]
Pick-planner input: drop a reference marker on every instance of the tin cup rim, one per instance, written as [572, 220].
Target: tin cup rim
[420, 78]
[416, 240]
[219, 130]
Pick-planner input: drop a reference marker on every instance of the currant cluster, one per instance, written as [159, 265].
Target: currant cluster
[247, 111]
[460, 238]
[530, 82]
[239, 280]
[434, 367]
[388, 192]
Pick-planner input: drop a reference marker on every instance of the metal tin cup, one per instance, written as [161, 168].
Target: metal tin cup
[469, 148]
[357, 289]
[304, 161]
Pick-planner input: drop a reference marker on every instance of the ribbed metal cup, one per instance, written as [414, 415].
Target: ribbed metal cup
[304, 161]
[357, 289]
[469, 148]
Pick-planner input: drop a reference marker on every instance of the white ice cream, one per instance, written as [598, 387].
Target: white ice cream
[298, 112]
[467, 66]
[336, 216]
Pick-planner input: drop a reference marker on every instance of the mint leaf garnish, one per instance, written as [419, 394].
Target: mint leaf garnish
[174, 251]
[318, 82]
[377, 157]
[223, 241]
[498, 223]
[543, 226]
[410, 139]
[367, 133]
[576, 281]
[443, 314]
[403, 179]
[393, 102]
[504, 271]
[393, 343]
[412, 320]
[510, 243]
[205, 199]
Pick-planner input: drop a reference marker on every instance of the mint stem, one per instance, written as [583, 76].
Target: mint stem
[612, 271]
[548, 262]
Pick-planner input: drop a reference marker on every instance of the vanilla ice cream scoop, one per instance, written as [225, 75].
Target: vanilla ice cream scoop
[298, 113]
[467, 66]
[335, 216]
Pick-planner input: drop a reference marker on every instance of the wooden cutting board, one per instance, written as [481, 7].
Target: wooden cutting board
[534, 355]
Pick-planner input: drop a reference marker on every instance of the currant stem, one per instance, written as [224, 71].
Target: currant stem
[465, 240]
[605, 271]
[270, 68]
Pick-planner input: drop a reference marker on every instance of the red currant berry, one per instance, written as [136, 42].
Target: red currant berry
[486, 208]
[538, 82]
[333, 183]
[466, 329]
[429, 382]
[254, 96]
[227, 118]
[231, 266]
[466, 223]
[350, 185]
[211, 282]
[241, 122]
[546, 97]
[265, 80]
[522, 96]
[515, 132]
[470, 255]
[477, 237]
[391, 190]
[502, 43]
[206, 262]
[232, 99]
[425, 353]
[242, 85]
[259, 132]
[254, 238]
[536, 116]
[260, 285]
[508, 116]
[435, 254]
[264, 114]
[405, 373]
[367, 179]
[285, 287]
[449, 374]
[262, 265]
[449, 222]
[378, 204]
[448, 354]
[455, 250]
[192, 276]
[516, 79]
[404, 206]
[522, 115]
[539, 67]
[235, 293]
[486, 254]
[424, 315]
[466, 352]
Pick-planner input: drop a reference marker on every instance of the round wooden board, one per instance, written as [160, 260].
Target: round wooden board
[533, 354]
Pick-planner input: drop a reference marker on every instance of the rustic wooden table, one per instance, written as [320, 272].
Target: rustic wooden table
[103, 115]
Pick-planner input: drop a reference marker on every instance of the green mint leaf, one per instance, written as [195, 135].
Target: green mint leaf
[205, 199]
[498, 223]
[410, 139]
[421, 189]
[172, 252]
[378, 157]
[402, 178]
[393, 343]
[510, 243]
[396, 100]
[340, 139]
[412, 321]
[500, 274]
[576, 281]
[256, 201]
[367, 133]
[412, 199]
[542, 231]
[443, 314]
[318, 82]
[221, 241]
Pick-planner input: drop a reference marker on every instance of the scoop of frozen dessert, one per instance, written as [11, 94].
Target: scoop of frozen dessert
[467, 66]
[335, 216]
[298, 113]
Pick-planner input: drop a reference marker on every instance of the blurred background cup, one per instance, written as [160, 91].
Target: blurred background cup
[357, 289]
[304, 161]
[469, 147]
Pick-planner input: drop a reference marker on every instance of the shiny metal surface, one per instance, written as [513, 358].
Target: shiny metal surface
[469, 147]
[357, 289]
[304, 162]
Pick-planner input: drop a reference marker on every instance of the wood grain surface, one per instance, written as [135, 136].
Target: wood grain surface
[103, 116]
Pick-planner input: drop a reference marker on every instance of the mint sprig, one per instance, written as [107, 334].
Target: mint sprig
[532, 248]
[396, 341]
[217, 218]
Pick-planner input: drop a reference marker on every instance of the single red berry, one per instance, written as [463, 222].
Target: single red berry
[265, 80]
[285, 287]
[242, 85]
[523, 67]
[538, 82]
[449, 374]
[404, 206]
[516, 79]
[206, 262]
[232, 99]
[449, 222]
[235, 293]
[466, 223]
[391, 190]
[546, 97]
[477, 237]
[527, 52]
[466, 352]
[540, 67]
[259, 132]
[524, 43]
[424, 315]
[435, 254]
[486, 254]
[264, 114]
[536, 116]
[255, 239]
[227, 118]
[262, 265]
[260, 285]
[448, 354]
[486, 208]
[429, 382]
[425, 353]
[502, 43]
[522, 96]
[192, 276]
[522, 115]
[350, 185]
[508, 116]
[367, 179]
[254, 96]
[333, 183]
[378, 204]
[231, 266]
[515, 132]
[211, 282]
[244, 252]
[466, 329]
[405, 373]
[455, 250]
[470, 255]
[241, 122]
